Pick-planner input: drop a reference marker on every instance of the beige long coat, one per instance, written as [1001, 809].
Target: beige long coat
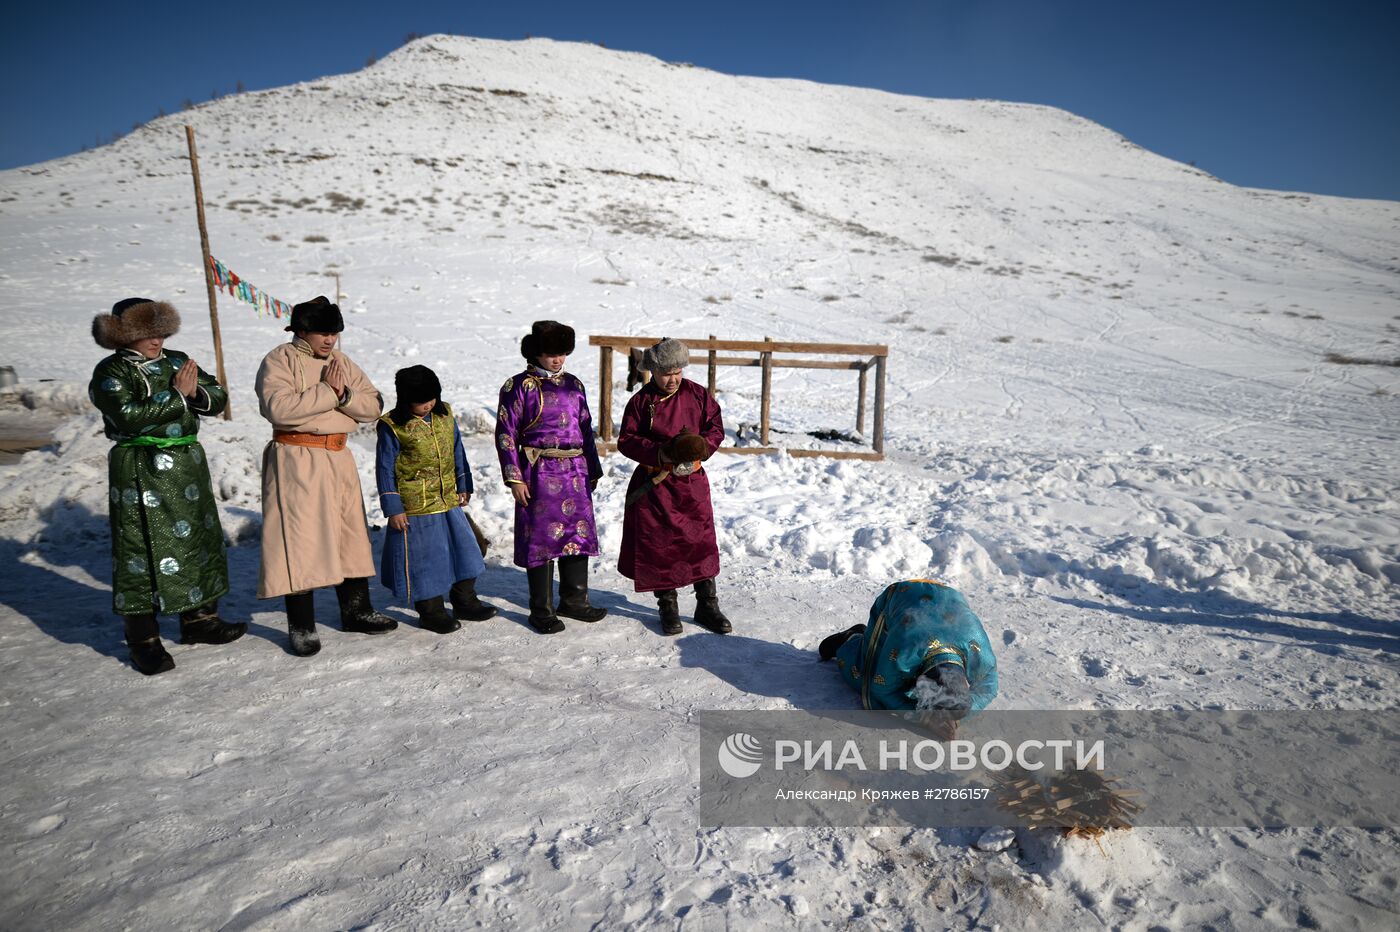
[314, 529]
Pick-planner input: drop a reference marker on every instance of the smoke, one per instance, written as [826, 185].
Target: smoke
[930, 696]
[942, 689]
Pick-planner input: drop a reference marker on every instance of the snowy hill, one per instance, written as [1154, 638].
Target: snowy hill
[1143, 418]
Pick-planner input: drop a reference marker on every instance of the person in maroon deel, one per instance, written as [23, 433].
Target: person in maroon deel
[671, 426]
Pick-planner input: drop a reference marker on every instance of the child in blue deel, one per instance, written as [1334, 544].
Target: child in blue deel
[424, 483]
[923, 648]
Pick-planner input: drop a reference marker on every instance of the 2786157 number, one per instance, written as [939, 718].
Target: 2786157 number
[957, 792]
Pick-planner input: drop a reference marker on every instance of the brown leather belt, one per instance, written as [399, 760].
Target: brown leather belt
[303, 439]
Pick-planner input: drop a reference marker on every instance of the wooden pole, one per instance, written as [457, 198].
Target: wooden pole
[713, 366]
[605, 392]
[860, 404]
[208, 271]
[336, 299]
[878, 441]
[765, 403]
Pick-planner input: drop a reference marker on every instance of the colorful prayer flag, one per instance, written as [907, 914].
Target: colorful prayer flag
[225, 279]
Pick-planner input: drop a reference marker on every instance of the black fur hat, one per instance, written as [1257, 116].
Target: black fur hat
[318, 315]
[547, 338]
[417, 384]
[134, 319]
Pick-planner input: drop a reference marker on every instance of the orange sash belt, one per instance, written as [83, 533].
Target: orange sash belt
[303, 439]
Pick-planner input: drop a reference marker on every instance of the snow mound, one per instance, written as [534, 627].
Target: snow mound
[55, 397]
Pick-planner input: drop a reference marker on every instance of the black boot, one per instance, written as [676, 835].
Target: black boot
[301, 623]
[573, 590]
[356, 612]
[465, 605]
[432, 614]
[542, 617]
[670, 612]
[148, 654]
[830, 645]
[707, 613]
[204, 626]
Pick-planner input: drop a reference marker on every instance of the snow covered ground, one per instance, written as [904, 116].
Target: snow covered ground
[1145, 420]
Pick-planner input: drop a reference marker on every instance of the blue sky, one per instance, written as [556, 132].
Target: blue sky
[1300, 96]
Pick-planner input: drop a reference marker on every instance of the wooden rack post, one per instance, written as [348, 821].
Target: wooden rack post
[208, 272]
[712, 367]
[605, 392]
[860, 402]
[878, 441]
[605, 425]
[766, 401]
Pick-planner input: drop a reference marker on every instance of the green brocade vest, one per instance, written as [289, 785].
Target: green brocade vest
[426, 469]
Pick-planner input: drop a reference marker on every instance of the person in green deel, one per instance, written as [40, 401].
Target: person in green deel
[922, 648]
[167, 543]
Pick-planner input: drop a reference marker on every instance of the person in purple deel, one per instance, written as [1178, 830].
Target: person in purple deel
[544, 438]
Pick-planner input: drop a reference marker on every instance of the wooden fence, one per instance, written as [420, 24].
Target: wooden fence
[766, 355]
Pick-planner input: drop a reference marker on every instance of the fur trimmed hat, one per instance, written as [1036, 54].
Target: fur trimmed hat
[318, 315]
[666, 356]
[135, 319]
[547, 338]
[417, 384]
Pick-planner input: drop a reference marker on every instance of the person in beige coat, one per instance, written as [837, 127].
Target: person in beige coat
[314, 529]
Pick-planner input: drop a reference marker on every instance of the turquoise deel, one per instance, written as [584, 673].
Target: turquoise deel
[913, 626]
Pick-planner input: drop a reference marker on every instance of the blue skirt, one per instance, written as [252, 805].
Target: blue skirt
[435, 552]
